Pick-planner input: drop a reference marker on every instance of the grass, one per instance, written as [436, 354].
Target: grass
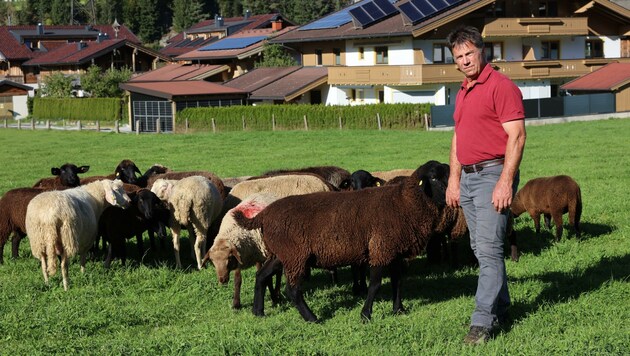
[570, 297]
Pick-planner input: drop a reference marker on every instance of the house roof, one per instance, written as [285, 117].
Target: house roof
[14, 39]
[610, 77]
[10, 83]
[176, 71]
[180, 44]
[169, 90]
[280, 83]
[238, 53]
[82, 52]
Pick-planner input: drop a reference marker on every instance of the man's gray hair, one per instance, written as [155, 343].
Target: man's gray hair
[464, 34]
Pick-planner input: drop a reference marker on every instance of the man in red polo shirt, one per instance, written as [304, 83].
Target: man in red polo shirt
[486, 152]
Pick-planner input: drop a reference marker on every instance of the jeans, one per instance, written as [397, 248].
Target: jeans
[487, 235]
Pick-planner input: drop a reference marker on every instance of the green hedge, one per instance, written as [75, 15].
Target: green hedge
[84, 109]
[291, 117]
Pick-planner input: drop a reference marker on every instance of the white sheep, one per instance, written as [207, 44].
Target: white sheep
[194, 202]
[236, 248]
[65, 222]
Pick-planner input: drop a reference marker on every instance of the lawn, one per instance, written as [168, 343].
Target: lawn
[570, 297]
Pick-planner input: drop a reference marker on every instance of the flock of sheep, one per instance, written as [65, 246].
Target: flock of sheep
[285, 221]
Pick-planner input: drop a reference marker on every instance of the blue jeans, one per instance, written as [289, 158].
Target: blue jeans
[487, 234]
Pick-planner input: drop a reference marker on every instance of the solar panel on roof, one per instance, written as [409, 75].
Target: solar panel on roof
[361, 17]
[344, 16]
[374, 11]
[370, 12]
[411, 12]
[438, 4]
[183, 43]
[425, 8]
[386, 6]
[233, 43]
[419, 10]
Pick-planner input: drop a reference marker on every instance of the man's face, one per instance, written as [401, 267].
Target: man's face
[470, 60]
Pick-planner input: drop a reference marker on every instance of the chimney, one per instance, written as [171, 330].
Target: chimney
[40, 29]
[276, 25]
[218, 22]
[101, 37]
[81, 45]
[248, 13]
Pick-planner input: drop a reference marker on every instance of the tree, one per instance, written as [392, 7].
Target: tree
[57, 85]
[148, 26]
[186, 13]
[274, 56]
[104, 85]
[230, 8]
[60, 12]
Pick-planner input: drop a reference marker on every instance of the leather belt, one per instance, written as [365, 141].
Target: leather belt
[478, 167]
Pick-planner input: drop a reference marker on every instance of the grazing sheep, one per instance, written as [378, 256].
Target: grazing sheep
[379, 227]
[194, 202]
[170, 175]
[236, 249]
[65, 222]
[280, 185]
[552, 197]
[389, 175]
[13, 215]
[65, 176]
[338, 177]
[145, 213]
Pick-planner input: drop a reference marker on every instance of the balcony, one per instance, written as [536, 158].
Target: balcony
[536, 26]
[414, 75]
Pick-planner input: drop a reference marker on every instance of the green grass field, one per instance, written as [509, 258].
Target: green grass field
[570, 297]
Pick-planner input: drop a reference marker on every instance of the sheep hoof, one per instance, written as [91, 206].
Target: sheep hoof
[366, 317]
[236, 306]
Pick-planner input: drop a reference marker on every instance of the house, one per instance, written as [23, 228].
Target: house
[611, 78]
[395, 51]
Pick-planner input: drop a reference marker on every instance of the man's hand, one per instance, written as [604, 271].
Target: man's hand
[501, 196]
[452, 195]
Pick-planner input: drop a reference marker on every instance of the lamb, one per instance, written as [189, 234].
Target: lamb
[13, 215]
[171, 175]
[194, 202]
[552, 197]
[379, 227]
[236, 249]
[65, 222]
[146, 212]
[337, 176]
[65, 176]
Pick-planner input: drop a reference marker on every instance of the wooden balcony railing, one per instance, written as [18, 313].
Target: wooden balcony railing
[539, 26]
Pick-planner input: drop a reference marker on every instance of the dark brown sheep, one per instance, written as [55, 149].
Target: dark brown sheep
[337, 176]
[379, 227]
[552, 197]
[65, 176]
[13, 206]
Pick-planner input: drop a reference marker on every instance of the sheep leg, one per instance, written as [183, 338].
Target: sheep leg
[548, 221]
[64, 269]
[200, 245]
[267, 270]
[44, 268]
[396, 269]
[536, 218]
[108, 259]
[557, 219]
[359, 286]
[236, 299]
[275, 293]
[175, 230]
[15, 245]
[297, 297]
[82, 261]
[376, 278]
[140, 244]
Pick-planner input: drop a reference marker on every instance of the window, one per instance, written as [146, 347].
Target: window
[337, 53]
[550, 50]
[494, 51]
[594, 49]
[318, 57]
[361, 53]
[441, 53]
[548, 8]
[381, 55]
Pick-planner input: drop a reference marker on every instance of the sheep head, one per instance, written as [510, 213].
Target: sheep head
[225, 258]
[68, 174]
[162, 188]
[126, 171]
[115, 193]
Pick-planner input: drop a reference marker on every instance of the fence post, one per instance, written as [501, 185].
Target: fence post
[6, 124]
[63, 124]
[340, 125]
[157, 126]
[273, 122]
[47, 124]
[137, 127]
[19, 124]
[186, 123]
[32, 124]
[214, 126]
[98, 126]
[426, 121]
[79, 125]
[116, 128]
[378, 120]
[305, 123]
[243, 120]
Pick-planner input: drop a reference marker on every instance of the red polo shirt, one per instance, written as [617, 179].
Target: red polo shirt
[480, 112]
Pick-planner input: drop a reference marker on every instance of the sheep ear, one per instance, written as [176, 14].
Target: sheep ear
[83, 169]
[55, 171]
[237, 255]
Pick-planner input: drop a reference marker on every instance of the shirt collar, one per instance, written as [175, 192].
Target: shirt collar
[483, 76]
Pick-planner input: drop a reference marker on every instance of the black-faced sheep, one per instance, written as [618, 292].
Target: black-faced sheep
[125, 170]
[337, 176]
[64, 177]
[65, 222]
[13, 215]
[363, 179]
[552, 197]
[236, 249]
[145, 213]
[194, 202]
[379, 227]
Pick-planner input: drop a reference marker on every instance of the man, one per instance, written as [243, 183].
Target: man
[486, 152]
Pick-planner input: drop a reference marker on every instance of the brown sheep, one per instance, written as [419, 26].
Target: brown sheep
[13, 216]
[379, 227]
[552, 197]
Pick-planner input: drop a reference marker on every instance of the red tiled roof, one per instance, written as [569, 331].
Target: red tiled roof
[12, 49]
[292, 85]
[260, 77]
[175, 71]
[168, 90]
[70, 53]
[609, 78]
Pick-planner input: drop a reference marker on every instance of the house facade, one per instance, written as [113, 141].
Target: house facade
[395, 51]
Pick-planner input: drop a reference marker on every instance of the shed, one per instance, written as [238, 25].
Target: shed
[611, 78]
[13, 98]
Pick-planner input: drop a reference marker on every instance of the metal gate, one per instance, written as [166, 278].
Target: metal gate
[148, 112]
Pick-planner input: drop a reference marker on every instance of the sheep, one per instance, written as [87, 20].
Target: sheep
[65, 222]
[13, 215]
[146, 212]
[380, 227]
[552, 197]
[65, 176]
[337, 176]
[363, 179]
[391, 174]
[236, 249]
[194, 202]
[171, 175]
[126, 171]
[280, 185]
